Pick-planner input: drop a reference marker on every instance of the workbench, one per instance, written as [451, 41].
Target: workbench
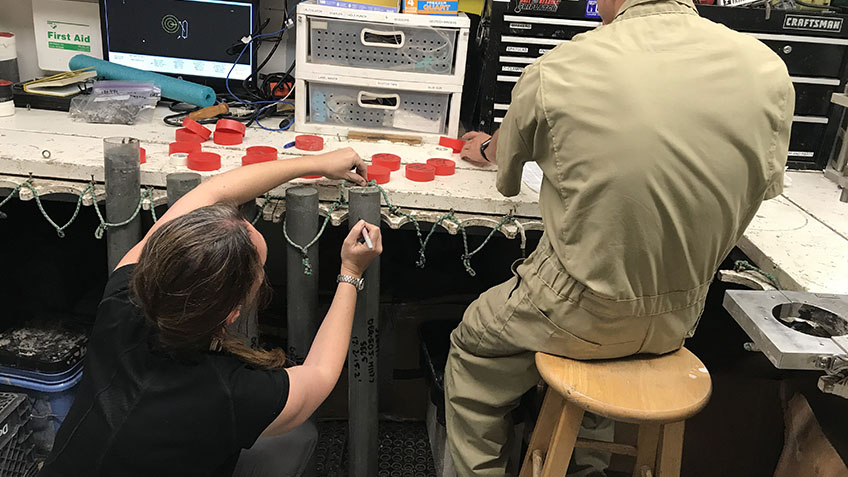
[801, 237]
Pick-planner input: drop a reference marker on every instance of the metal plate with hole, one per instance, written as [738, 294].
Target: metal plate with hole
[793, 329]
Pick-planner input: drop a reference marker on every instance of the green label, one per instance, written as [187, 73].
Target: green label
[68, 46]
[68, 36]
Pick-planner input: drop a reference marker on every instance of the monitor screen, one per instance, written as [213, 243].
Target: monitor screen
[179, 37]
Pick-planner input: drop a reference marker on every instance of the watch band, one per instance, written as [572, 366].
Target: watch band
[358, 283]
[483, 148]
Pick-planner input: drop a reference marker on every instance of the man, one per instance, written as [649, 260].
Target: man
[659, 135]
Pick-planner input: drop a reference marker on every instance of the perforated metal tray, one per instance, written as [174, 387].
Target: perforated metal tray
[360, 44]
[377, 108]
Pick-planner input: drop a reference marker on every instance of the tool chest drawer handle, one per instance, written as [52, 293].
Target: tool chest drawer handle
[382, 39]
[378, 101]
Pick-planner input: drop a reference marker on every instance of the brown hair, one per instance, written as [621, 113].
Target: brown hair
[192, 273]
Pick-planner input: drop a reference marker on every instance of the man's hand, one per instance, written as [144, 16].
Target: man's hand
[471, 150]
[340, 164]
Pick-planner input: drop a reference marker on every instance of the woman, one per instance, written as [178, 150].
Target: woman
[166, 391]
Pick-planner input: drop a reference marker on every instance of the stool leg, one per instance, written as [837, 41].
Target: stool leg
[545, 424]
[647, 445]
[670, 450]
[562, 445]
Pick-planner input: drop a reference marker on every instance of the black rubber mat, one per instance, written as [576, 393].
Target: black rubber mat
[404, 450]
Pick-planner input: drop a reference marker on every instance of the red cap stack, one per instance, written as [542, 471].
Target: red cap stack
[183, 147]
[257, 154]
[454, 144]
[378, 174]
[227, 138]
[389, 161]
[444, 167]
[229, 132]
[203, 161]
[186, 135]
[249, 159]
[196, 128]
[262, 151]
[230, 125]
[419, 172]
[306, 142]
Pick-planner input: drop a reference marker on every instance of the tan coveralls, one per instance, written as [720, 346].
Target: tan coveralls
[659, 135]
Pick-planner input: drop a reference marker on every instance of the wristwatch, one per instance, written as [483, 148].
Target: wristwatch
[359, 283]
[483, 147]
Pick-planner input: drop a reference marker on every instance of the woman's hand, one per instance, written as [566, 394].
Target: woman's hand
[356, 256]
[340, 164]
[471, 150]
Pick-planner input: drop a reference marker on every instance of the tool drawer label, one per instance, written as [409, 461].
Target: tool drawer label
[516, 49]
[810, 23]
[537, 6]
[512, 69]
[592, 9]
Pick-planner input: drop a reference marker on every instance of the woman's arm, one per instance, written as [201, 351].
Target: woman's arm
[311, 382]
[246, 183]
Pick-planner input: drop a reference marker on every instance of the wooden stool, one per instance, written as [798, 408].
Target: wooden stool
[657, 392]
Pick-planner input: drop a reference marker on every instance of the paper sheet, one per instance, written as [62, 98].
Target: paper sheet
[532, 176]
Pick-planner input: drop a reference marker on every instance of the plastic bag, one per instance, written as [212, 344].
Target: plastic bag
[116, 102]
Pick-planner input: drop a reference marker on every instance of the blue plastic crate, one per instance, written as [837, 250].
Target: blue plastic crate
[51, 396]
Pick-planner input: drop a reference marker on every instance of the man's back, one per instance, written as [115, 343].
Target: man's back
[659, 135]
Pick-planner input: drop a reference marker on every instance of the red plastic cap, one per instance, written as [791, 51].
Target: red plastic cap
[444, 167]
[142, 155]
[197, 128]
[183, 147]
[249, 159]
[227, 138]
[379, 174]
[5, 82]
[6, 34]
[389, 161]
[230, 125]
[186, 135]
[454, 144]
[419, 172]
[306, 142]
[203, 161]
[263, 151]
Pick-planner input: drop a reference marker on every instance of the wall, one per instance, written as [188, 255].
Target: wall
[16, 16]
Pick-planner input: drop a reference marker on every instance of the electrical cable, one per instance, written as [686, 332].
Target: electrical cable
[265, 103]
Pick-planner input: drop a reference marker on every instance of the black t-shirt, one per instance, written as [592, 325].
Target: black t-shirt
[138, 412]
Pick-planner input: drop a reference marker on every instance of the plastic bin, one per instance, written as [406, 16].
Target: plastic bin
[16, 443]
[51, 395]
[377, 108]
[383, 46]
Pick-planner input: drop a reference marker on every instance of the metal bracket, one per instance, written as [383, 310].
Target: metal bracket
[786, 347]
[834, 364]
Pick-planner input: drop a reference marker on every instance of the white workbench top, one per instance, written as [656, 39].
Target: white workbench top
[802, 236]
[76, 152]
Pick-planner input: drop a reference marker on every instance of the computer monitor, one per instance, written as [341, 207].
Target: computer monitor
[184, 38]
